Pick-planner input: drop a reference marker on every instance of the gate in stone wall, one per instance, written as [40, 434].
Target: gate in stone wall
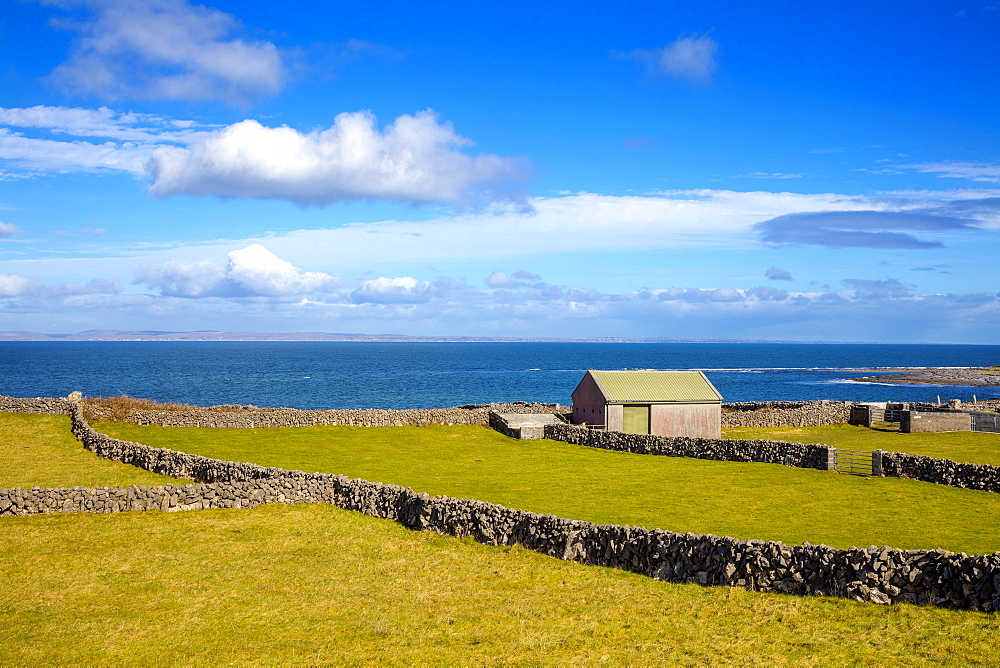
[987, 422]
[853, 462]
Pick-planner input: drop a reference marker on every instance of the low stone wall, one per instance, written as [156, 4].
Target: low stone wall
[935, 577]
[254, 418]
[747, 414]
[727, 450]
[941, 471]
[44, 405]
[759, 414]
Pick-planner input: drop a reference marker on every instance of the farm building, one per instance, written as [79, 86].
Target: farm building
[664, 403]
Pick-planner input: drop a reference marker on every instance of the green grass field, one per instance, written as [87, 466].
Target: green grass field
[960, 446]
[314, 584]
[318, 585]
[764, 501]
[39, 450]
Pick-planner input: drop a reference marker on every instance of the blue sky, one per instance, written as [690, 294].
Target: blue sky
[794, 171]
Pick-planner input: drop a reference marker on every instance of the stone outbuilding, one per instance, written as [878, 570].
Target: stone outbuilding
[664, 403]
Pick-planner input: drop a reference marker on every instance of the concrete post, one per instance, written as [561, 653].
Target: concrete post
[827, 458]
[877, 463]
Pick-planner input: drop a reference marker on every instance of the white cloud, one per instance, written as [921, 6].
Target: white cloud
[166, 50]
[102, 122]
[500, 279]
[8, 230]
[184, 279]
[74, 156]
[416, 159]
[691, 58]
[12, 285]
[403, 290]
[251, 271]
[258, 271]
[960, 170]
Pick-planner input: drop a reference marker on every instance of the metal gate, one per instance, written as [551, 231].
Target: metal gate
[986, 422]
[853, 462]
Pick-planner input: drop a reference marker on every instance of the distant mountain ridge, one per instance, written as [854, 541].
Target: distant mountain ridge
[155, 335]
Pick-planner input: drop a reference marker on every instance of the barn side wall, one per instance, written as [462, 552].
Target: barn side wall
[694, 420]
[588, 402]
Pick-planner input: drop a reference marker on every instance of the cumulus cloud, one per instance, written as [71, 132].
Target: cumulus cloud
[858, 229]
[253, 271]
[403, 290]
[776, 274]
[523, 275]
[416, 159]
[13, 285]
[875, 289]
[690, 58]
[185, 279]
[165, 50]
[8, 230]
[767, 293]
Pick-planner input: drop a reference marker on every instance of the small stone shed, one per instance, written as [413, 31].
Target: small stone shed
[664, 403]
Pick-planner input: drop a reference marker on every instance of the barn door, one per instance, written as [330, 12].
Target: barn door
[636, 419]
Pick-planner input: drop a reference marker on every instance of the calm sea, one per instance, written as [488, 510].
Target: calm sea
[421, 375]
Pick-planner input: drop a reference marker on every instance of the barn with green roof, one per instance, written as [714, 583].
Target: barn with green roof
[664, 403]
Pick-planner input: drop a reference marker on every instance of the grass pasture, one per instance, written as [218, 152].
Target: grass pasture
[765, 501]
[960, 446]
[39, 450]
[318, 585]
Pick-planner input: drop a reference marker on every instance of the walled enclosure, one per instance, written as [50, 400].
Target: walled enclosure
[885, 575]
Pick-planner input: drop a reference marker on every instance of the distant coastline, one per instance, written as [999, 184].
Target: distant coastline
[152, 335]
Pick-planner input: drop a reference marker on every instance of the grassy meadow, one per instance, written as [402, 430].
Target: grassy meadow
[960, 446]
[766, 501]
[40, 451]
[318, 585]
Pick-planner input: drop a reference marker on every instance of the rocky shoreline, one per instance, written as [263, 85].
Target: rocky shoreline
[966, 377]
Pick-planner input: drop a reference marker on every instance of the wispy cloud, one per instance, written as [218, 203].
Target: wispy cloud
[960, 170]
[165, 50]
[857, 229]
[770, 175]
[776, 274]
[690, 58]
[8, 230]
[103, 122]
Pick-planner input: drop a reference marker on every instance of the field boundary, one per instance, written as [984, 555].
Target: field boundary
[876, 575]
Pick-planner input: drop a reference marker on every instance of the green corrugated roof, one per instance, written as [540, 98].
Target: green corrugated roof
[623, 387]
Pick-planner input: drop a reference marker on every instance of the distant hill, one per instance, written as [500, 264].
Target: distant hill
[154, 335]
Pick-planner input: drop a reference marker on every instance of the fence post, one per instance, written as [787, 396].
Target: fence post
[828, 458]
[877, 463]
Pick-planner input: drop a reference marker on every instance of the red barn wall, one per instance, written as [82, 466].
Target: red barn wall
[588, 402]
[696, 420]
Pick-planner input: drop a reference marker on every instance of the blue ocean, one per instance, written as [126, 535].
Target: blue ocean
[424, 375]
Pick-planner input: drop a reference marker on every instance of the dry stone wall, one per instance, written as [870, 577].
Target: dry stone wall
[760, 414]
[941, 471]
[728, 450]
[44, 405]
[252, 417]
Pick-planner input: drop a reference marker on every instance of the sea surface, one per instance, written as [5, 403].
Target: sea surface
[425, 375]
